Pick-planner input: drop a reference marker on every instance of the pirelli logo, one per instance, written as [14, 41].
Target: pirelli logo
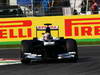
[82, 27]
[15, 29]
[15, 23]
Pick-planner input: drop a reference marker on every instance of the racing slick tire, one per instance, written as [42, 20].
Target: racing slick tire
[71, 46]
[25, 61]
[25, 48]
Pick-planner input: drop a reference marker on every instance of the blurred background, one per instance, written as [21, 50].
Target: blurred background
[54, 7]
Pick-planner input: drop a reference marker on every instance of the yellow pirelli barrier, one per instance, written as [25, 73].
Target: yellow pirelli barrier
[77, 27]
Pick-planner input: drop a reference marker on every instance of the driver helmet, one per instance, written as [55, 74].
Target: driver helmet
[47, 36]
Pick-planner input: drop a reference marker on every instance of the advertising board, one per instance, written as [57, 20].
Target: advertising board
[76, 27]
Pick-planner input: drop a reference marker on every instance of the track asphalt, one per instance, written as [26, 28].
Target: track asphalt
[88, 64]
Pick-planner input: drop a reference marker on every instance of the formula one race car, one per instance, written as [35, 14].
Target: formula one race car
[48, 48]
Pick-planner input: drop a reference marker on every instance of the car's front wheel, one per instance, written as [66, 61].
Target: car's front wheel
[25, 48]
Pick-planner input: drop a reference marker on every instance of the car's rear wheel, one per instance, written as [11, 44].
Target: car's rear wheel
[71, 46]
[25, 61]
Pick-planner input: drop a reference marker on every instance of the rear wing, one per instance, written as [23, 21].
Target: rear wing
[43, 28]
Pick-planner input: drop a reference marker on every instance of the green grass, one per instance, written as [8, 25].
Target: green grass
[88, 41]
[15, 44]
[10, 46]
[10, 43]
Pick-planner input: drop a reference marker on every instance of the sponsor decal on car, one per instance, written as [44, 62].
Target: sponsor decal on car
[41, 28]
